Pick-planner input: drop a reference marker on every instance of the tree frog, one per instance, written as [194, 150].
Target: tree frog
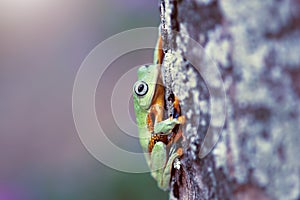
[158, 136]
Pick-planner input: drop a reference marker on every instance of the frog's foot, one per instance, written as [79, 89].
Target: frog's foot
[166, 126]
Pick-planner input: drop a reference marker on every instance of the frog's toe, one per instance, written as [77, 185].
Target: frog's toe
[181, 119]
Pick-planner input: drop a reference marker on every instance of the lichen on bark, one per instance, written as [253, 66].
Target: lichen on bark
[255, 45]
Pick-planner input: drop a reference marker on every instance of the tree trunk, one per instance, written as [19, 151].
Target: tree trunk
[255, 46]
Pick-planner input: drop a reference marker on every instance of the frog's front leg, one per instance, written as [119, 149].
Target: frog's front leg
[167, 125]
[161, 164]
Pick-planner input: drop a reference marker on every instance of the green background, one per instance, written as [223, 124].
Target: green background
[42, 45]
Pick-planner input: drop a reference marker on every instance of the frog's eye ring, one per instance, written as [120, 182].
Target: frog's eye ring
[140, 88]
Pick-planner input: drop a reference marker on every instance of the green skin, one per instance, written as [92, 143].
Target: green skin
[159, 162]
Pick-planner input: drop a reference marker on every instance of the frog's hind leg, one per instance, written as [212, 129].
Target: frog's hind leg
[158, 162]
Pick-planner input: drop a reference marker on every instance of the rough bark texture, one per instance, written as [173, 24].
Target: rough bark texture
[256, 46]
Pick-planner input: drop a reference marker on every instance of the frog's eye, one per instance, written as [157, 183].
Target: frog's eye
[141, 88]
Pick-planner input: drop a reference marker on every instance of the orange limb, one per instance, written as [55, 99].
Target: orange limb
[160, 51]
[156, 138]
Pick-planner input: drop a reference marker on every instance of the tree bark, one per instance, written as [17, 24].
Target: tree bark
[256, 48]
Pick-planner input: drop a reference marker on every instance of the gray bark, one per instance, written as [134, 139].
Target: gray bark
[256, 47]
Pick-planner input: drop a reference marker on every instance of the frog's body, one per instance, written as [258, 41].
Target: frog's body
[156, 133]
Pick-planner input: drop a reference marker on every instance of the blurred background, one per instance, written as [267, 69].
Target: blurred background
[42, 45]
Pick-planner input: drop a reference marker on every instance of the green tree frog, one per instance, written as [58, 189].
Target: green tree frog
[158, 136]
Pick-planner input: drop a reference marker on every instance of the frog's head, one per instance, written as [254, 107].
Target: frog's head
[144, 88]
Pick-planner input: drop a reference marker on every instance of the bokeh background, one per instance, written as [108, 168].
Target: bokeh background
[42, 45]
